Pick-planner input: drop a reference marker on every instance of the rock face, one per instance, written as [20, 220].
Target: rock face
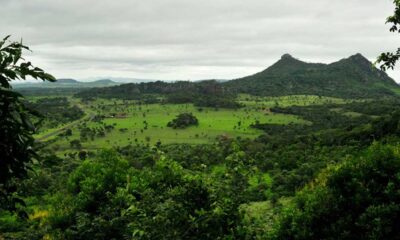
[353, 77]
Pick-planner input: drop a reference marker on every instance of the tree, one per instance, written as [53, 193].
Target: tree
[75, 144]
[68, 132]
[183, 120]
[358, 199]
[16, 141]
[389, 59]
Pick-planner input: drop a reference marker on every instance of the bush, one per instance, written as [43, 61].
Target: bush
[183, 120]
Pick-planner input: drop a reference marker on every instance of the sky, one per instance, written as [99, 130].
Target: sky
[192, 39]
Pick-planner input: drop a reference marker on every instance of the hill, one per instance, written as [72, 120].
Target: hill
[65, 83]
[205, 93]
[353, 77]
[104, 81]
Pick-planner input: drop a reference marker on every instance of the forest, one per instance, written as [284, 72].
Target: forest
[336, 167]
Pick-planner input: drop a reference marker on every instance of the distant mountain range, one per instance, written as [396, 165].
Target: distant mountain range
[353, 77]
[66, 83]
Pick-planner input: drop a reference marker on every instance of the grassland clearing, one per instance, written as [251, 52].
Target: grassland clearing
[136, 123]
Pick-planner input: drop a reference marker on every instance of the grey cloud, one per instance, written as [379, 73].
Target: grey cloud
[188, 39]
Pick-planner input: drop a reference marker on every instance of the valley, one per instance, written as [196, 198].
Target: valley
[232, 158]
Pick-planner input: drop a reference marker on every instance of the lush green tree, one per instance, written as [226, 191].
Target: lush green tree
[75, 144]
[359, 199]
[16, 129]
[183, 120]
[389, 59]
[108, 199]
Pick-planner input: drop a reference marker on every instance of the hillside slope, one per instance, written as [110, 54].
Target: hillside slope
[353, 77]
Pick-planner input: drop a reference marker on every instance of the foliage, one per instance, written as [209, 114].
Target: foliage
[230, 189]
[108, 199]
[388, 60]
[16, 129]
[202, 94]
[183, 120]
[359, 199]
[354, 77]
[55, 111]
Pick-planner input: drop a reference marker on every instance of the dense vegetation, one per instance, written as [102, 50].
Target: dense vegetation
[354, 77]
[202, 94]
[16, 128]
[56, 110]
[290, 183]
[358, 199]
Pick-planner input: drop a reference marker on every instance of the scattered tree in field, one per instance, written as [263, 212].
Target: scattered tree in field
[183, 120]
[82, 155]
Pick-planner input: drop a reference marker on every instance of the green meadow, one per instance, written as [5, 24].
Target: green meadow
[130, 121]
[147, 123]
[133, 122]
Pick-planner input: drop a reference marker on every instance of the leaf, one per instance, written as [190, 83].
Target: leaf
[7, 37]
[4, 83]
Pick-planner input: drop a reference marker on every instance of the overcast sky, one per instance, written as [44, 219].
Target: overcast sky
[193, 39]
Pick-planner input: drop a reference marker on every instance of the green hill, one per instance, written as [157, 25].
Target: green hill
[66, 81]
[353, 77]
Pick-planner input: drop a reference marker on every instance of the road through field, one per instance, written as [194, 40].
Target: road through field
[89, 115]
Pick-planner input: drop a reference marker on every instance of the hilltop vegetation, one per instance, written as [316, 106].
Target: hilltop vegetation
[202, 94]
[353, 77]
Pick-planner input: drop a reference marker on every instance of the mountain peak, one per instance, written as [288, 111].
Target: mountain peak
[287, 56]
[356, 60]
[66, 80]
[352, 77]
[358, 57]
[104, 81]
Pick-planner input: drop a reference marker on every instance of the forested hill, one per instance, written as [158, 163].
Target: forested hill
[353, 77]
[208, 93]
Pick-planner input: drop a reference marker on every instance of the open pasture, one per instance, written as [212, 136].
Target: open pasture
[147, 123]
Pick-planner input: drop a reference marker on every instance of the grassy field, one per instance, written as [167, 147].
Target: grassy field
[137, 123]
[131, 128]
